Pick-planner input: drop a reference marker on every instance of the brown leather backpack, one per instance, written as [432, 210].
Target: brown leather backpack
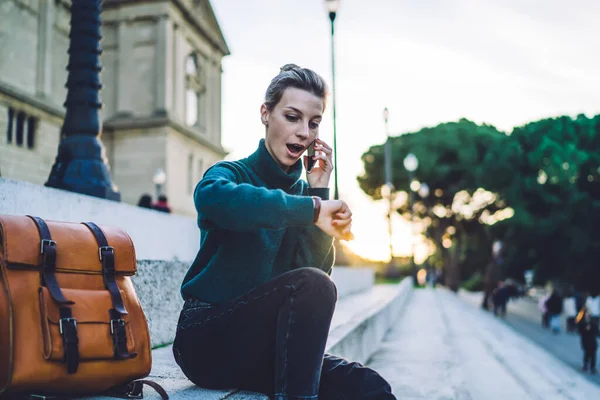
[70, 320]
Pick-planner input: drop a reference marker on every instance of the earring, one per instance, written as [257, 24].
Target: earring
[265, 122]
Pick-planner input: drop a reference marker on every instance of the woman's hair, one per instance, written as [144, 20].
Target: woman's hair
[292, 75]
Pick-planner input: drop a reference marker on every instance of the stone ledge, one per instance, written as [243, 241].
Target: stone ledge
[156, 235]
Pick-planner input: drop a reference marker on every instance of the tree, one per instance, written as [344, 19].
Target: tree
[450, 155]
[548, 172]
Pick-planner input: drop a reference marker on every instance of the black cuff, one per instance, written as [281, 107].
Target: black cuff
[323, 193]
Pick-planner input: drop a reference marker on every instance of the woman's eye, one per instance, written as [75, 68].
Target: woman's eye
[314, 125]
[291, 118]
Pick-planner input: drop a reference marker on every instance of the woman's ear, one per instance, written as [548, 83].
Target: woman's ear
[264, 115]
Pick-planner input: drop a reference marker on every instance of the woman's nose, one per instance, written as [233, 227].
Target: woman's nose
[304, 131]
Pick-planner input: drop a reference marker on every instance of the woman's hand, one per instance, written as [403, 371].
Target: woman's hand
[319, 176]
[335, 219]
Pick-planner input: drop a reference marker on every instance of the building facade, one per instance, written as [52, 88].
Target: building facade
[161, 92]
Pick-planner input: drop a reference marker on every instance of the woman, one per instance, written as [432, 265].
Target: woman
[258, 298]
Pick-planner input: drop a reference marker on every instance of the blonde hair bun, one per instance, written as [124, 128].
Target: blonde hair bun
[288, 67]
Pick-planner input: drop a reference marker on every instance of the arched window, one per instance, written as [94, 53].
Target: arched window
[194, 94]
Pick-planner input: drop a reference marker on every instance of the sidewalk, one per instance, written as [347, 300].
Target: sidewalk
[524, 317]
[443, 348]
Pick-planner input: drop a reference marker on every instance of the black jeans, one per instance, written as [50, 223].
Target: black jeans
[272, 340]
[589, 357]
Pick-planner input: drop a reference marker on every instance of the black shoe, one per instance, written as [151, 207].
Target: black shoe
[584, 368]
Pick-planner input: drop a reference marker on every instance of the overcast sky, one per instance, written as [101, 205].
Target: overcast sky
[504, 62]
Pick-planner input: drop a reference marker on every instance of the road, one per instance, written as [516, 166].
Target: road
[525, 318]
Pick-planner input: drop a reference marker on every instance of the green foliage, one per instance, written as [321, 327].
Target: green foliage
[547, 171]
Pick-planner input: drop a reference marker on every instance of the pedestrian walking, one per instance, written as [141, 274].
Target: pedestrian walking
[570, 309]
[500, 297]
[588, 330]
[592, 303]
[554, 307]
[544, 310]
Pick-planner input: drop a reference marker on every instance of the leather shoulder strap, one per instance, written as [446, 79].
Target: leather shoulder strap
[48, 262]
[107, 256]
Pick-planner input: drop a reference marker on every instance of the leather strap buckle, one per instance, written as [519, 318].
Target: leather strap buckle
[66, 320]
[48, 242]
[109, 249]
[135, 390]
[118, 322]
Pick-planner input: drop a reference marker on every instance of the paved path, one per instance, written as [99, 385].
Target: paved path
[524, 317]
[444, 348]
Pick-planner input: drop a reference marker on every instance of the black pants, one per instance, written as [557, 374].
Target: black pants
[589, 357]
[272, 340]
[500, 309]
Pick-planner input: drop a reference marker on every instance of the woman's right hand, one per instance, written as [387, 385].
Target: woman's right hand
[335, 219]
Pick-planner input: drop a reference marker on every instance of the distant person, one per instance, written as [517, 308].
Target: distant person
[592, 303]
[588, 330]
[145, 201]
[570, 309]
[544, 311]
[162, 204]
[500, 297]
[554, 307]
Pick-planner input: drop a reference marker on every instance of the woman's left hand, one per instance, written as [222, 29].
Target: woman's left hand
[319, 176]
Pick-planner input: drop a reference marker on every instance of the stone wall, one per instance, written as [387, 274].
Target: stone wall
[20, 161]
[18, 41]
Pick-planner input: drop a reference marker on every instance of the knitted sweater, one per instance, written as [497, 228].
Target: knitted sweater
[256, 222]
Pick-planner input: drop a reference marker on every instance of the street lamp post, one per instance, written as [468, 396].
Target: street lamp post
[81, 164]
[159, 180]
[332, 8]
[411, 163]
[424, 193]
[389, 185]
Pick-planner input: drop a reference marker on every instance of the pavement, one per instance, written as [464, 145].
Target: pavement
[525, 318]
[443, 347]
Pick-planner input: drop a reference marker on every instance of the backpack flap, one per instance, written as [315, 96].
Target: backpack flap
[76, 247]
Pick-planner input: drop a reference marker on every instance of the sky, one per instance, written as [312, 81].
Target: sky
[503, 62]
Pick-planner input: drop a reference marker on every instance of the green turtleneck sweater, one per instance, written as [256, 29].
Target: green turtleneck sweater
[256, 222]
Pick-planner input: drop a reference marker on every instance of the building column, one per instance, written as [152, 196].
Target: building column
[177, 74]
[219, 95]
[43, 82]
[164, 67]
[125, 69]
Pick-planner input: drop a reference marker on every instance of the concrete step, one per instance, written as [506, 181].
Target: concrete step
[359, 324]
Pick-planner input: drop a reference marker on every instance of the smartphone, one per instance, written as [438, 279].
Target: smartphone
[310, 152]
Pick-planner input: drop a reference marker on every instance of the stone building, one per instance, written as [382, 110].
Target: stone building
[161, 92]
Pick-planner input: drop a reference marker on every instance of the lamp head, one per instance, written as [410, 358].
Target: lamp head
[411, 162]
[159, 177]
[424, 190]
[332, 5]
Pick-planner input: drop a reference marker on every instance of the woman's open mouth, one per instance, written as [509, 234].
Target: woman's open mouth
[295, 150]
